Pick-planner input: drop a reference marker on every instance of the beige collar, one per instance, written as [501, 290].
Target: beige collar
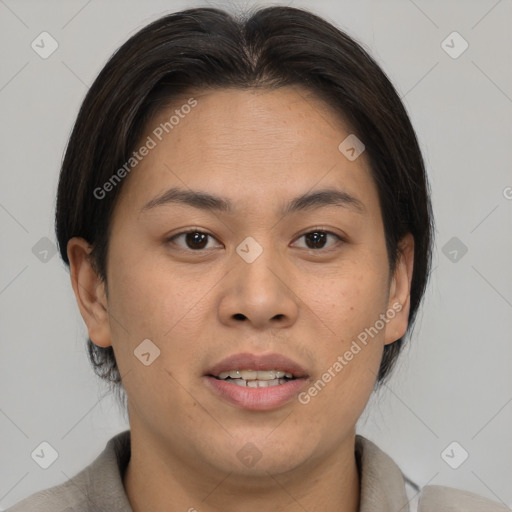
[382, 482]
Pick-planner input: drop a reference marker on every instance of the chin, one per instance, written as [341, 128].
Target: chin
[253, 456]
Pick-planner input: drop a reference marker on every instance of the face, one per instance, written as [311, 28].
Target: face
[271, 283]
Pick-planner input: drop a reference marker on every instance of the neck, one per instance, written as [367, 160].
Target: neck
[154, 481]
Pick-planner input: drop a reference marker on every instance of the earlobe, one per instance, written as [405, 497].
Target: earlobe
[400, 291]
[89, 291]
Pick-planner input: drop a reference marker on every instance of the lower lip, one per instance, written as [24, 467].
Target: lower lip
[256, 399]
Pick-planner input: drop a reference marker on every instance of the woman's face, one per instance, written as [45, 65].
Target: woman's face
[272, 284]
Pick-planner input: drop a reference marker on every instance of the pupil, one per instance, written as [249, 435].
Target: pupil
[196, 240]
[317, 237]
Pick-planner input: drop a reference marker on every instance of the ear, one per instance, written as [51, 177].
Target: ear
[400, 291]
[89, 292]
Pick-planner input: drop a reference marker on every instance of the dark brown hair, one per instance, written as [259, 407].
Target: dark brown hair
[266, 48]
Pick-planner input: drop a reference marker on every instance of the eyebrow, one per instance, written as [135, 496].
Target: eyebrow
[206, 201]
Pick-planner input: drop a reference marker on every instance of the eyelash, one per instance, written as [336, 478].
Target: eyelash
[314, 230]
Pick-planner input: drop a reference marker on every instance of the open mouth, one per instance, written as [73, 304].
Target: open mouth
[256, 378]
[256, 382]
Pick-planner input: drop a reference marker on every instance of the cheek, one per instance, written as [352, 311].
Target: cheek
[139, 290]
[148, 301]
[132, 299]
[352, 300]
[348, 361]
[350, 307]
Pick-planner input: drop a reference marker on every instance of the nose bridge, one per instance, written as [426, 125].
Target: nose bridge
[259, 292]
[260, 259]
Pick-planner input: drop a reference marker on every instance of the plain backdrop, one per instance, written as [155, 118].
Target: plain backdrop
[453, 382]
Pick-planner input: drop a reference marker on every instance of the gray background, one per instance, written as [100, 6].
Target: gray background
[454, 383]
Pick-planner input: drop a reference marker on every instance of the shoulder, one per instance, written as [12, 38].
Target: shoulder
[385, 487]
[60, 498]
[434, 498]
[97, 487]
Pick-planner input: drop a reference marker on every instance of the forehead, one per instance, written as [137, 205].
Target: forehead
[255, 118]
[247, 144]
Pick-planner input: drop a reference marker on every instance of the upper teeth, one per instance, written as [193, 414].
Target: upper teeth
[255, 375]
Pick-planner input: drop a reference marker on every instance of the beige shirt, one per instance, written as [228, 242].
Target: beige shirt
[99, 487]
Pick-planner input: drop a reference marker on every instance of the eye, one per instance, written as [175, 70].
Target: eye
[317, 238]
[194, 240]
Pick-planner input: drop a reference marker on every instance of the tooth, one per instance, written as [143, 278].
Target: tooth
[279, 374]
[266, 375]
[288, 375]
[224, 375]
[249, 374]
[262, 383]
[240, 382]
[234, 374]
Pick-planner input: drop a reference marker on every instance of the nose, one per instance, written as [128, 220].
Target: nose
[259, 293]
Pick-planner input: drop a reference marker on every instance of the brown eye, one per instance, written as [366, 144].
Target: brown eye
[194, 240]
[317, 239]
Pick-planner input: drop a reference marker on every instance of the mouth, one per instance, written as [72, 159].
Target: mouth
[256, 378]
[256, 382]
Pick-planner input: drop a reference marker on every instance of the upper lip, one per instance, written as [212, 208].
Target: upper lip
[248, 361]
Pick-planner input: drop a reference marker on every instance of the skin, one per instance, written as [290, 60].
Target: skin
[259, 149]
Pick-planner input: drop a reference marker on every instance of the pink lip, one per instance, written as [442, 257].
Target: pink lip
[257, 399]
